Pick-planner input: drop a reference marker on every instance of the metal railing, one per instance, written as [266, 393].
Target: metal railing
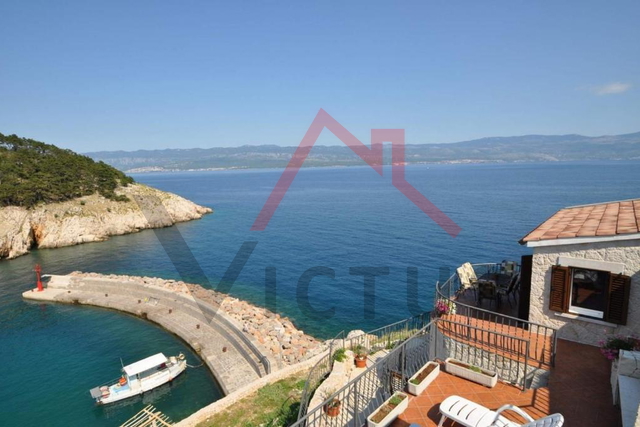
[386, 337]
[542, 338]
[441, 339]
[318, 373]
[389, 336]
[504, 354]
[365, 393]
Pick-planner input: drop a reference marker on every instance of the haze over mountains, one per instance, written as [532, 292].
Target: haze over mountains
[528, 148]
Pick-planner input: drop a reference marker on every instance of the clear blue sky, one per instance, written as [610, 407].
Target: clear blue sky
[110, 75]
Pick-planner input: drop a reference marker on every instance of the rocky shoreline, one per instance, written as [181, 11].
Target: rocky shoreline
[276, 334]
[91, 219]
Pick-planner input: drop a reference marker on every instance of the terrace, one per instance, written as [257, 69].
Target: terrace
[537, 372]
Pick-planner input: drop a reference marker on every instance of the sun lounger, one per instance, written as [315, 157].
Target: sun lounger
[470, 414]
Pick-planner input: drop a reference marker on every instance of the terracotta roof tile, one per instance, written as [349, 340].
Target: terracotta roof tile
[604, 219]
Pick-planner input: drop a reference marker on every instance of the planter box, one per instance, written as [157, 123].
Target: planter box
[416, 389]
[614, 381]
[391, 416]
[486, 378]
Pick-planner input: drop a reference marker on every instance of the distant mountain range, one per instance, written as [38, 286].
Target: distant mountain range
[528, 148]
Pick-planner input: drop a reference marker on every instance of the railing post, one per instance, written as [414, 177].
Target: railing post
[356, 412]
[555, 346]
[526, 365]
[403, 362]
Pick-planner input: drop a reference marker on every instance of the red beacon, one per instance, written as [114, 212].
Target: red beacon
[38, 270]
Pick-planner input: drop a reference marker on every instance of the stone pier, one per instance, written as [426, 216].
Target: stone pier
[234, 356]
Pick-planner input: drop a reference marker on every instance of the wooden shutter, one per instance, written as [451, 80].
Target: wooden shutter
[618, 299]
[560, 289]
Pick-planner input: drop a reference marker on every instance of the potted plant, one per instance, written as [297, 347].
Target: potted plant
[389, 410]
[332, 408]
[360, 356]
[471, 372]
[425, 376]
[444, 306]
[611, 347]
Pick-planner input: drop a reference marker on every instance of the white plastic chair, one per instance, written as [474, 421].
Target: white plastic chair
[470, 414]
[471, 273]
[465, 281]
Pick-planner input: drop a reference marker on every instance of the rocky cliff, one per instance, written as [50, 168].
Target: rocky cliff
[91, 219]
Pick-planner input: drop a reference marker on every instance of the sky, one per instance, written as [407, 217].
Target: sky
[122, 75]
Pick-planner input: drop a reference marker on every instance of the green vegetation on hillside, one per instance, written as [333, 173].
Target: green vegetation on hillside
[274, 405]
[32, 172]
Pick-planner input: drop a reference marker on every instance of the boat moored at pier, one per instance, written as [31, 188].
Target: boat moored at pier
[139, 377]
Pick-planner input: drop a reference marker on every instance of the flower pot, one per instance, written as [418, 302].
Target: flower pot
[333, 410]
[361, 362]
[386, 413]
[463, 370]
[417, 389]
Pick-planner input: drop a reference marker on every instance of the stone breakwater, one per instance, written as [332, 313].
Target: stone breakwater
[277, 335]
[91, 219]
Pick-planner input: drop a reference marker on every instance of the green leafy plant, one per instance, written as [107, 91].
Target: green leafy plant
[475, 369]
[360, 351]
[339, 355]
[396, 400]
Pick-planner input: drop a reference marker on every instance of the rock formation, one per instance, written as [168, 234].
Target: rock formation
[91, 219]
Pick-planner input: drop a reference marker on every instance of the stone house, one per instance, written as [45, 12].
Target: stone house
[585, 271]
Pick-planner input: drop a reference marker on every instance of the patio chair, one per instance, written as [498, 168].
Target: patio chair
[471, 273]
[509, 267]
[487, 289]
[470, 414]
[510, 290]
[465, 281]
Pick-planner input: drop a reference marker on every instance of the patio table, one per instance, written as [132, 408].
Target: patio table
[498, 280]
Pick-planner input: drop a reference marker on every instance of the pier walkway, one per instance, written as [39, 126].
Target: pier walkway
[235, 358]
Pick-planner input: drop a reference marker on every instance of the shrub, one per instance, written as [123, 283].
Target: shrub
[339, 355]
[611, 347]
[34, 172]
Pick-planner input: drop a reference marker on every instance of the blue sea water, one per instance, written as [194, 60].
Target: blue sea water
[336, 218]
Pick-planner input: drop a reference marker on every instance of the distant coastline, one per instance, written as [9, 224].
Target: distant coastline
[152, 170]
[515, 149]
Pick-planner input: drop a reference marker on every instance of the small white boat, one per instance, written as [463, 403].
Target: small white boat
[139, 377]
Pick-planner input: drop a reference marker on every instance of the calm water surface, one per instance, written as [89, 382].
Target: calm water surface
[336, 218]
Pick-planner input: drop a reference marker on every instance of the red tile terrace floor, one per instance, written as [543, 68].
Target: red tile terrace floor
[578, 388]
[540, 343]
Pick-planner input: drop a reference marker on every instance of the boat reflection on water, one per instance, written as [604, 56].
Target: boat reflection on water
[134, 404]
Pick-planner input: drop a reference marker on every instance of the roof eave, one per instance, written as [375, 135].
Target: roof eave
[581, 240]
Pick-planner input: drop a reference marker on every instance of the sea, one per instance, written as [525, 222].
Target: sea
[333, 226]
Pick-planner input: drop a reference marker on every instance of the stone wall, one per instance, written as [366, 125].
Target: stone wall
[626, 252]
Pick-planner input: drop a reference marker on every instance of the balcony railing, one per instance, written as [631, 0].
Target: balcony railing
[318, 373]
[386, 337]
[438, 339]
[542, 338]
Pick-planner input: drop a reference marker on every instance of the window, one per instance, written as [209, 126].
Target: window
[588, 292]
[593, 293]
